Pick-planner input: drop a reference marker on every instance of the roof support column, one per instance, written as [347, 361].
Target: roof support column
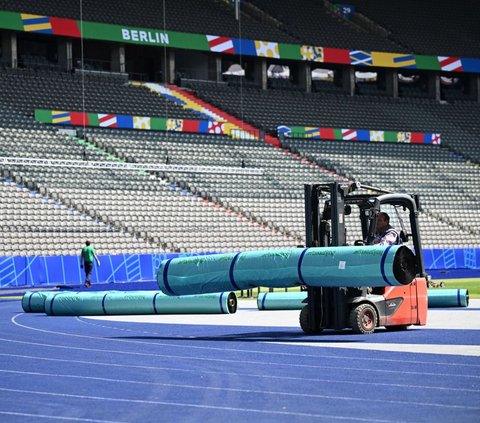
[9, 49]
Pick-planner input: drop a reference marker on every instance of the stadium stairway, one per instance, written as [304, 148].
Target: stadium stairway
[190, 101]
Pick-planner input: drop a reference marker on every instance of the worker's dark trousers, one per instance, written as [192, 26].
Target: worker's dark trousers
[88, 271]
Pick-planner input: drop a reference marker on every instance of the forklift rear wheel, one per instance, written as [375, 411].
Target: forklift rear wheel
[363, 319]
[304, 322]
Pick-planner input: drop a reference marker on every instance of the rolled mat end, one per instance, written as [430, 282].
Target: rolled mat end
[404, 265]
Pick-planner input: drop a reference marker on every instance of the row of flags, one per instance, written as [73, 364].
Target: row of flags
[349, 134]
[273, 50]
[109, 120]
[235, 46]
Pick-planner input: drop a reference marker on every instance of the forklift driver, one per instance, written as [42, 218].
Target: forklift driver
[386, 234]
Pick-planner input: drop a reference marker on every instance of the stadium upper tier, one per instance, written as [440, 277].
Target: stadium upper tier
[428, 26]
[201, 17]
[312, 23]
[28, 89]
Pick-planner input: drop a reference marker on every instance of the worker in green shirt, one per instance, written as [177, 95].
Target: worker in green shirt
[86, 261]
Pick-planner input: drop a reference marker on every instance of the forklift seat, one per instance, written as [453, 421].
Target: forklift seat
[403, 237]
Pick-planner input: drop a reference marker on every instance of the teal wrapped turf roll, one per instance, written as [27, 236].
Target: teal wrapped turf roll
[284, 268]
[281, 300]
[296, 300]
[138, 302]
[34, 302]
[75, 304]
[448, 298]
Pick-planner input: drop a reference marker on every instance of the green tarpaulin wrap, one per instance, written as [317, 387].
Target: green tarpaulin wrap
[34, 302]
[281, 300]
[72, 303]
[448, 298]
[350, 266]
[297, 300]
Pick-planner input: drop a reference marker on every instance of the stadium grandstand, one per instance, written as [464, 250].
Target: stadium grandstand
[180, 126]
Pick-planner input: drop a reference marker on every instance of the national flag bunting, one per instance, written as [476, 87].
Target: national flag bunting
[349, 134]
[125, 121]
[79, 118]
[377, 136]
[61, 117]
[361, 57]
[107, 120]
[215, 127]
[267, 49]
[246, 47]
[405, 61]
[141, 122]
[284, 130]
[191, 125]
[36, 23]
[417, 137]
[450, 64]
[312, 132]
[175, 125]
[403, 136]
[432, 138]
[336, 55]
[220, 44]
[311, 53]
[363, 135]
[327, 133]
[436, 139]
[65, 27]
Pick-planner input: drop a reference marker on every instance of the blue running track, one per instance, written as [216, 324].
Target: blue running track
[70, 369]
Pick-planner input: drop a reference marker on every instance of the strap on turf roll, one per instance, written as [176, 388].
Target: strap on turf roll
[34, 302]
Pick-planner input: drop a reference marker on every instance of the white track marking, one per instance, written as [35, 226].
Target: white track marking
[131, 401]
[246, 391]
[443, 349]
[50, 417]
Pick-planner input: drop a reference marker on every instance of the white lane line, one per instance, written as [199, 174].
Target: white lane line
[439, 349]
[220, 360]
[252, 376]
[245, 391]
[51, 417]
[189, 405]
[296, 355]
[323, 380]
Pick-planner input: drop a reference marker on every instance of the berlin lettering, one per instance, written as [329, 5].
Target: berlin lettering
[145, 36]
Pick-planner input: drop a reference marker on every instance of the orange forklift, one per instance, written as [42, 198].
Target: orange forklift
[328, 207]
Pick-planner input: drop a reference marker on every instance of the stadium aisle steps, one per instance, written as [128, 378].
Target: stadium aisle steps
[229, 118]
[192, 102]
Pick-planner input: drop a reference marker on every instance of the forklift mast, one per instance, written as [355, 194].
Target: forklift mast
[326, 228]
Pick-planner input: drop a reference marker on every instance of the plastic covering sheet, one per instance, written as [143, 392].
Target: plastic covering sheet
[448, 298]
[297, 300]
[281, 300]
[71, 303]
[351, 266]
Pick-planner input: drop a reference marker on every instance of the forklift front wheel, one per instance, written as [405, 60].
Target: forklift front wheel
[305, 322]
[363, 319]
